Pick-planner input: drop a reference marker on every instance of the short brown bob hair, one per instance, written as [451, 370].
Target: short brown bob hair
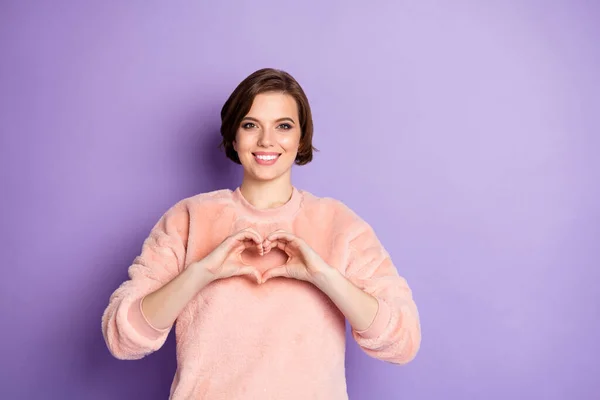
[240, 101]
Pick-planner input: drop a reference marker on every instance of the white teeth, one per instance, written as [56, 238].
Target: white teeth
[266, 158]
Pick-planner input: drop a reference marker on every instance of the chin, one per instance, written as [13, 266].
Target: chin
[264, 173]
[266, 177]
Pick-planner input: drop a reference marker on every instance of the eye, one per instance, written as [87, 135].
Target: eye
[285, 127]
[248, 125]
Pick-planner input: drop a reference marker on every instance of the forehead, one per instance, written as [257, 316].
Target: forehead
[273, 105]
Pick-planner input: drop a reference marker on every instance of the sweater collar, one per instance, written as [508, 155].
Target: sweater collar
[286, 210]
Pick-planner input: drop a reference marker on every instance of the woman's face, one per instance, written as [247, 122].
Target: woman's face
[268, 137]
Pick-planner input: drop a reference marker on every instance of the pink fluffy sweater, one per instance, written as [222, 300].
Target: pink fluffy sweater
[283, 339]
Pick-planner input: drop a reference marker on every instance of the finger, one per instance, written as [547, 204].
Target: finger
[286, 245]
[268, 245]
[277, 232]
[249, 244]
[281, 245]
[274, 273]
[266, 248]
[248, 234]
[256, 240]
[249, 271]
[241, 245]
[254, 235]
[283, 236]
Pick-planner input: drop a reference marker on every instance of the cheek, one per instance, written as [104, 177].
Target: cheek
[290, 142]
[241, 144]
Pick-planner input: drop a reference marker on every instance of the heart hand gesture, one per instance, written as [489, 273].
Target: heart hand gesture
[226, 260]
[303, 264]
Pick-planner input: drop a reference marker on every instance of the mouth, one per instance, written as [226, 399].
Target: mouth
[266, 158]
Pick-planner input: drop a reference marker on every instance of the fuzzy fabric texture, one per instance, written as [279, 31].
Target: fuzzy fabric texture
[283, 339]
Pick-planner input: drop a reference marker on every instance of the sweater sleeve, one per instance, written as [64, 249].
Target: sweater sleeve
[395, 333]
[126, 331]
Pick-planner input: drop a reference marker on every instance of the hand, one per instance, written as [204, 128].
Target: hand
[226, 260]
[303, 264]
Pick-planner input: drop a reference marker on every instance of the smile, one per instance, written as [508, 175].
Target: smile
[266, 159]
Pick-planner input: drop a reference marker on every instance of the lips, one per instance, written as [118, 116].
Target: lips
[264, 158]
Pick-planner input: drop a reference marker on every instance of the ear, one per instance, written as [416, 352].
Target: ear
[234, 144]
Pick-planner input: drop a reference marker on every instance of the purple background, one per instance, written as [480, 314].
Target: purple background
[465, 132]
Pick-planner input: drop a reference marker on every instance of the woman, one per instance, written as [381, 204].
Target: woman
[260, 280]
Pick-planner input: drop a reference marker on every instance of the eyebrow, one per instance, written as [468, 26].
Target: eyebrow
[278, 120]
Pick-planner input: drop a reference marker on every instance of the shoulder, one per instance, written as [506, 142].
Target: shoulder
[344, 222]
[334, 210]
[215, 197]
[202, 202]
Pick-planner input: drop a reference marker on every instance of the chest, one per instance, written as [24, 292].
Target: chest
[278, 303]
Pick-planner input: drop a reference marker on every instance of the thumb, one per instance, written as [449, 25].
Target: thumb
[275, 272]
[249, 271]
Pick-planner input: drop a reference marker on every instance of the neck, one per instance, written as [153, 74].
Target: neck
[267, 194]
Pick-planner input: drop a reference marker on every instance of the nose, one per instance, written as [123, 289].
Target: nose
[265, 139]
